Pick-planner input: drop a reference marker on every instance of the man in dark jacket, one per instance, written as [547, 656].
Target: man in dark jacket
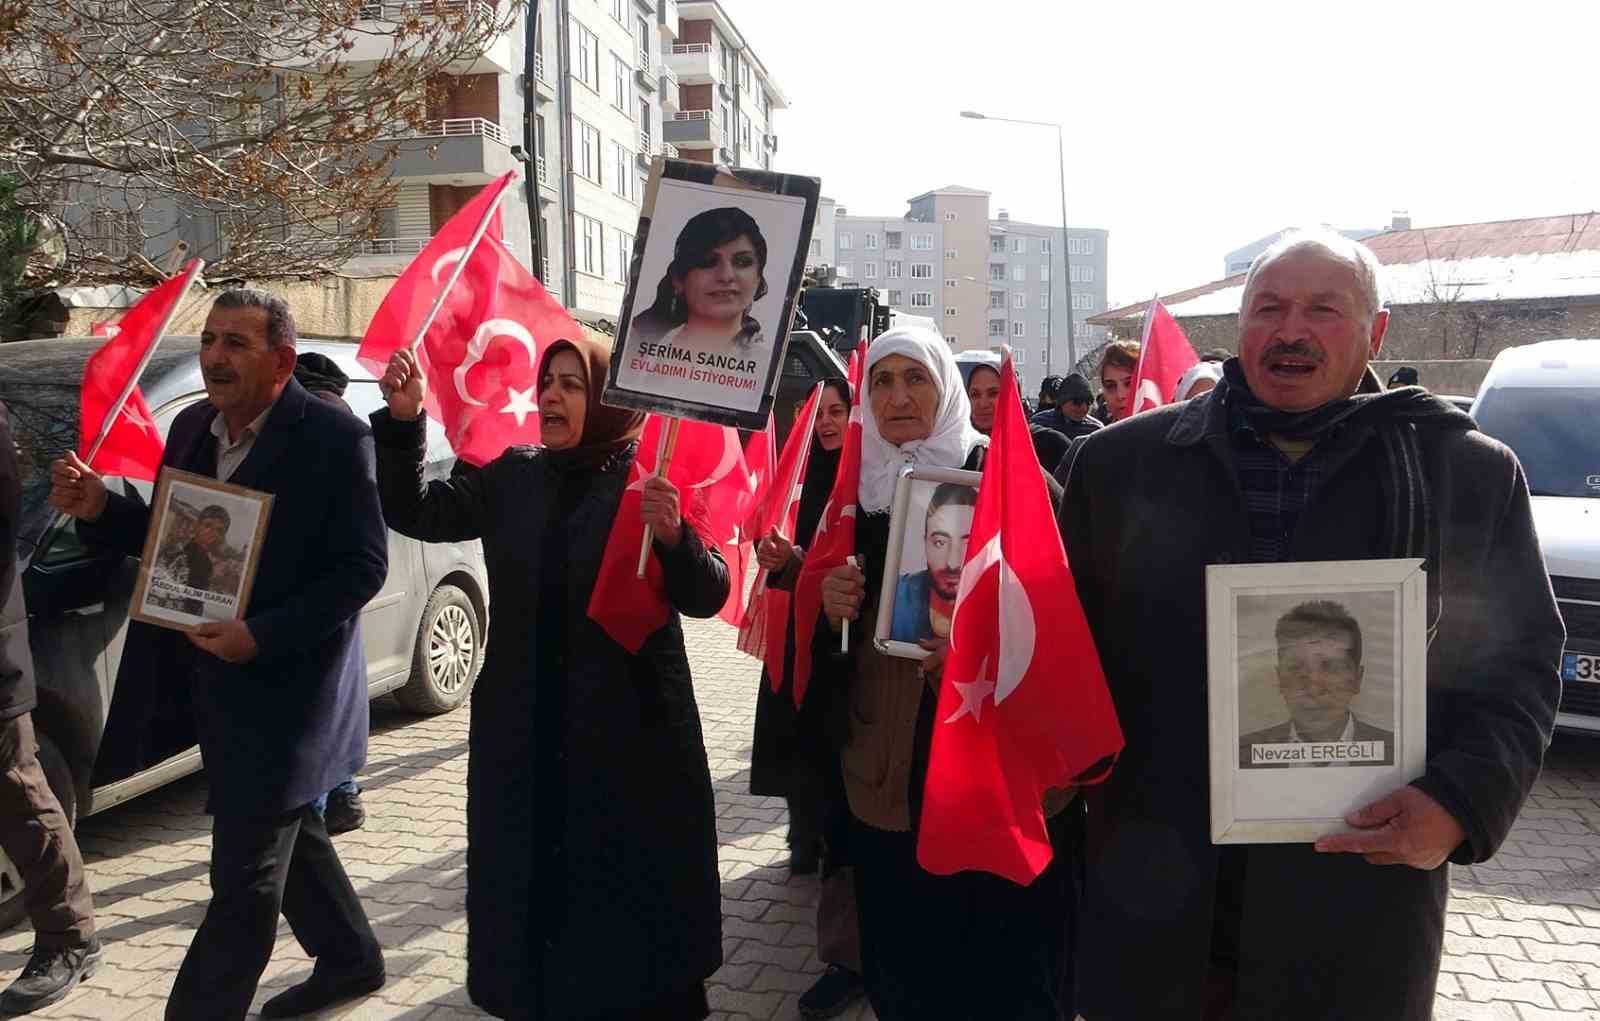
[34, 832]
[1070, 416]
[279, 697]
[1299, 455]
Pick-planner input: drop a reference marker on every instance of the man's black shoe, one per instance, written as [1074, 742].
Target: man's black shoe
[50, 974]
[831, 994]
[320, 991]
[344, 813]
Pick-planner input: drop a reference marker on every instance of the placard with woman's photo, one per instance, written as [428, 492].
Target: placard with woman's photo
[201, 552]
[717, 264]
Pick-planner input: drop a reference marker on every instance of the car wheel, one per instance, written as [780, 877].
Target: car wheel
[448, 655]
[12, 910]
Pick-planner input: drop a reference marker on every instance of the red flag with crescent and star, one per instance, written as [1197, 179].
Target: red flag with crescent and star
[1164, 356]
[730, 512]
[1017, 716]
[765, 627]
[709, 468]
[132, 444]
[481, 353]
[835, 540]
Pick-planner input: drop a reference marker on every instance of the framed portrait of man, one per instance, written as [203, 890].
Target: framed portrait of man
[201, 553]
[930, 524]
[1317, 692]
[717, 263]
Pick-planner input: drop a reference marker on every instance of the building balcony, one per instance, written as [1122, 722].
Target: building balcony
[694, 64]
[647, 78]
[395, 246]
[669, 88]
[667, 19]
[456, 151]
[693, 129]
[646, 143]
[541, 78]
[376, 43]
[542, 170]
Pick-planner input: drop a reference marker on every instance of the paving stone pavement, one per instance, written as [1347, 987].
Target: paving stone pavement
[1523, 940]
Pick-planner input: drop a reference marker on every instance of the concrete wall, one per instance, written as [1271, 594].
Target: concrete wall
[338, 307]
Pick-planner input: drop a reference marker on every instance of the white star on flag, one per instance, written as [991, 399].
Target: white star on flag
[972, 695]
[520, 403]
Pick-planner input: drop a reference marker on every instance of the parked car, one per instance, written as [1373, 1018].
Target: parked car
[425, 631]
[1543, 401]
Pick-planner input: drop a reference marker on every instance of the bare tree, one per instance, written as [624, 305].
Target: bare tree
[124, 122]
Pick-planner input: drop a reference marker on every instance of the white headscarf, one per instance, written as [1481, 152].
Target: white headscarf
[953, 436]
[1197, 372]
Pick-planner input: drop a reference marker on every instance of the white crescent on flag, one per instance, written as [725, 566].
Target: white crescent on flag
[446, 262]
[1018, 631]
[730, 457]
[478, 346]
[1146, 397]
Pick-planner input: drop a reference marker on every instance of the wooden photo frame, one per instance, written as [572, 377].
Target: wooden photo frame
[672, 353]
[931, 517]
[1317, 693]
[201, 552]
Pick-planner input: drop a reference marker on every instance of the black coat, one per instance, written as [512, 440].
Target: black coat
[17, 692]
[1149, 503]
[277, 732]
[592, 884]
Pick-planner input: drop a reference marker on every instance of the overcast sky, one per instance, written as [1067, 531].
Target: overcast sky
[1192, 132]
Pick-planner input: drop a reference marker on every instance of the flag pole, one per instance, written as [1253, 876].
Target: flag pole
[190, 273]
[461, 264]
[664, 450]
[811, 433]
[844, 629]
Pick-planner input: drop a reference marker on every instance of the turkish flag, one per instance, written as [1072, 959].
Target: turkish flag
[765, 627]
[709, 468]
[835, 540]
[1017, 716]
[129, 444]
[731, 506]
[481, 353]
[1164, 356]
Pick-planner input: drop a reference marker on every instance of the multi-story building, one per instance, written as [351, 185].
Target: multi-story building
[725, 96]
[985, 282]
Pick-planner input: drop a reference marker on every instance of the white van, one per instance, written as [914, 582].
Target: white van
[1543, 401]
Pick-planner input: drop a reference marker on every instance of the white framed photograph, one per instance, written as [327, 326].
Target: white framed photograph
[717, 264]
[930, 524]
[201, 553]
[1317, 693]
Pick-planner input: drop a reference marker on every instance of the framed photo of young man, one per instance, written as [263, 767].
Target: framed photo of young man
[930, 523]
[201, 553]
[1317, 691]
[717, 264]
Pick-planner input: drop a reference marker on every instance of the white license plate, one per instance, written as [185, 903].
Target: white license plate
[1578, 666]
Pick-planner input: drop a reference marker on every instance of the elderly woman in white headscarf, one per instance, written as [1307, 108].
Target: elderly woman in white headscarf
[1202, 377]
[970, 945]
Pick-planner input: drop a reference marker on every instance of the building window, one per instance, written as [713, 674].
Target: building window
[585, 56]
[870, 240]
[1044, 328]
[922, 271]
[619, 10]
[727, 125]
[644, 44]
[997, 271]
[1083, 274]
[1080, 246]
[894, 297]
[644, 123]
[644, 187]
[891, 240]
[951, 340]
[588, 152]
[950, 284]
[846, 242]
[1044, 246]
[1019, 273]
[624, 256]
[892, 270]
[1019, 246]
[591, 246]
[997, 299]
[1083, 302]
[950, 217]
[766, 158]
[1019, 329]
[1044, 301]
[922, 242]
[624, 176]
[869, 271]
[997, 327]
[997, 246]
[619, 84]
[921, 299]
[816, 248]
[950, 311]
[1019, 301]
[951, 254]
[744, 130]
[1044, 271]
[844, 271]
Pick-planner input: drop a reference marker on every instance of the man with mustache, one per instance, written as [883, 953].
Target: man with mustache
[925, 601]
[1299, 454]
[280, 697]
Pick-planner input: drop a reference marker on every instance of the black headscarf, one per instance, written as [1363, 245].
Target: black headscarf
[820, 472]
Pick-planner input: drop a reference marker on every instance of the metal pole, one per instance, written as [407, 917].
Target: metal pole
[1066, 262]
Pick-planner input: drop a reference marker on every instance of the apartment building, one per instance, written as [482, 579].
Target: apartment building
[1027, 305]
[900, 258]
[726, 98]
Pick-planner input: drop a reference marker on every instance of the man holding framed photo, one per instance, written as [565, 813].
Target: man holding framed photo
[279, 697]
[1299, 455]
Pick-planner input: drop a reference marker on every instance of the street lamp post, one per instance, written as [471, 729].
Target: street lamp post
[1066, 264]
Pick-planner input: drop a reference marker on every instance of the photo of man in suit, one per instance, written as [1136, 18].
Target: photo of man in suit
[279, 698]
[1319, 670]
[925, 601]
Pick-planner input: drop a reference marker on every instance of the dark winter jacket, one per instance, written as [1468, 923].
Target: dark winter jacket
[1149, 503]
[592, 884]
[17, 692]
